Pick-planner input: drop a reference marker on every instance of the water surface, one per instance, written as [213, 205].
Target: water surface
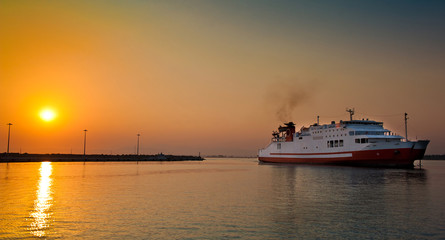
[220, 199]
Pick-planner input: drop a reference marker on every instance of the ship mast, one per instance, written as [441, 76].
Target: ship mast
[406, 126]
[351, 112]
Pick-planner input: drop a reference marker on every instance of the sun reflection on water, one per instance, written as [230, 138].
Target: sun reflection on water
[43, 202]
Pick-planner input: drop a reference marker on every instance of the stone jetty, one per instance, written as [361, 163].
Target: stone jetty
[25, 157]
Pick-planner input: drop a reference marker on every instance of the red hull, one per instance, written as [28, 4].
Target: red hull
[385, 158]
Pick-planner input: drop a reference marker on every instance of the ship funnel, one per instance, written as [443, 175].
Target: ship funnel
[289, 129]
[290, 124]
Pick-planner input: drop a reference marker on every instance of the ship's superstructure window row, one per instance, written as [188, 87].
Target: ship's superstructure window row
[335, 143]
[352, 133]
[361, 140]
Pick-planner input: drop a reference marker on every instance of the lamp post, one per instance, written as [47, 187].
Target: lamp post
[9, 135]
[137, 152]
[84, 144]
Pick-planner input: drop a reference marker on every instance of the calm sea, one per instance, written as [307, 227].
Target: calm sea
[220, 199]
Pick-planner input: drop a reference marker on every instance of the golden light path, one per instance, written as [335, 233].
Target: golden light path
[43, 202]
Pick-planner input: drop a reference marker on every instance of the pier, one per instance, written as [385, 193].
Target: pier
[25, 157]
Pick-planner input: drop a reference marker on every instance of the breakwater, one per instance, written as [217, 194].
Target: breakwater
[25, 157]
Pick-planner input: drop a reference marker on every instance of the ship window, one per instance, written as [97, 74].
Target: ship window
[279, 146]
[331, 143]
[336, 143]
[341, 143]
[357, 140]
[328, 143]
[363, 140]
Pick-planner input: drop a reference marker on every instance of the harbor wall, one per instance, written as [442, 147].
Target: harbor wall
[17, 157]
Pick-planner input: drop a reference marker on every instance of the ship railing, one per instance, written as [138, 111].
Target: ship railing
[279, 139]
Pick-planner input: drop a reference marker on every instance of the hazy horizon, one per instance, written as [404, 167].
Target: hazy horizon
[214, 77]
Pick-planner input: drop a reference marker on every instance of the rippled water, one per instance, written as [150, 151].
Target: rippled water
[220, 199]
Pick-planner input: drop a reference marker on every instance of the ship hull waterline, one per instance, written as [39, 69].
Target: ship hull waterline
[399, 158]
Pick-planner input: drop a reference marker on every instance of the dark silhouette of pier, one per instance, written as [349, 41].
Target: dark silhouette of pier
[25, 157]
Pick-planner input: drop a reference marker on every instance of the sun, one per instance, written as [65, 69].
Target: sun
[47, 115]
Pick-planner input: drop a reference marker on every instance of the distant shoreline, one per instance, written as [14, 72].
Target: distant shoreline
[229, 156]
[57, 157]
[25, 157]
[434, 157]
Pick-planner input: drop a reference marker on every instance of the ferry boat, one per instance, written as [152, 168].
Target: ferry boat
[354, 142]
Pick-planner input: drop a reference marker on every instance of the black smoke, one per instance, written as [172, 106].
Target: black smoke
[284, 97]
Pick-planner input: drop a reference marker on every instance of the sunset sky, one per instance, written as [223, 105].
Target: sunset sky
[215, 77]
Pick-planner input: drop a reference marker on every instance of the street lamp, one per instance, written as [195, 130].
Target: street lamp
[84, 143]
[137, 153]
[9, 134]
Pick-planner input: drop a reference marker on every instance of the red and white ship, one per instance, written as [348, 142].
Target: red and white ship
[354, 142]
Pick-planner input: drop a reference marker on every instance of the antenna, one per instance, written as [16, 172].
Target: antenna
[318, 120]
[406, 126]
[351, 112]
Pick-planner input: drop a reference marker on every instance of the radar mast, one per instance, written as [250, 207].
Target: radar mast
[351, 112]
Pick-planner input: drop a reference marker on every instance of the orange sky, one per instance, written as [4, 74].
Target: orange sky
[210, 77]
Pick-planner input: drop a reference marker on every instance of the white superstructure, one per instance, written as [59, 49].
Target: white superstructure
[363, 142]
